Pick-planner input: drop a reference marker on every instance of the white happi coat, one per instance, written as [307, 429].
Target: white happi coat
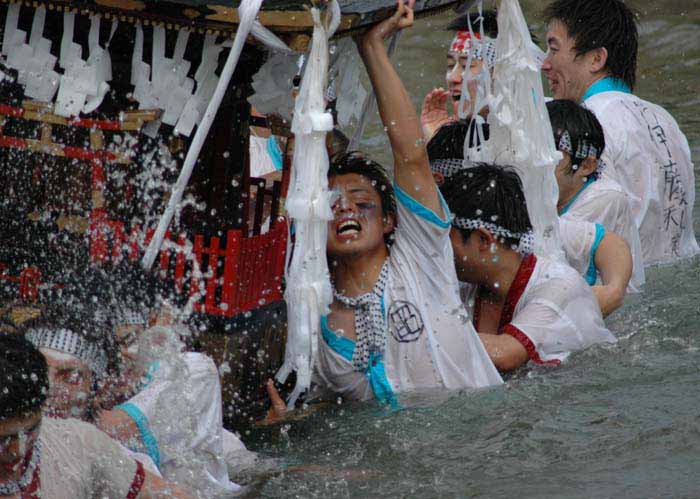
[648, 155]
[605, 202]
[78, 461]
[430, 341]
[179, 417]
[549, 309]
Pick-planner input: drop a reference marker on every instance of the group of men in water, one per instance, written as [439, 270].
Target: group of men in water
[436, 284]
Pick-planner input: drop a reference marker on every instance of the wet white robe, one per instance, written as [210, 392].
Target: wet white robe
[550, 310]
[604, 202]
[78, 461]
[180, 421]
[430, 341]
[648, 155]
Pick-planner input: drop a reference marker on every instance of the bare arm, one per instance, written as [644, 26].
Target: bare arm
[154, 487]
[505, 352]
[118, 425]
[613, 260]
[411, 168]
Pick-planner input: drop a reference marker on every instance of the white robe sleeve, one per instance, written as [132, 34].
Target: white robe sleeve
[558, 316]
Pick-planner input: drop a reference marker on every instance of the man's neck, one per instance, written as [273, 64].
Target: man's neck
[356, 276]
[595, 79]
[500, 277]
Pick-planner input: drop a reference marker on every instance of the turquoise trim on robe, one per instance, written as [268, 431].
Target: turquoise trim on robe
[566, 208]
[147, 437]
[607, 84]
[376, 374]
[275, 153]
[592, 273]
[421, 210]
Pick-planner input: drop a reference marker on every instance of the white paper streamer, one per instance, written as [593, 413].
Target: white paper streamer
[247, 12]
[520, 131]
[309, 292]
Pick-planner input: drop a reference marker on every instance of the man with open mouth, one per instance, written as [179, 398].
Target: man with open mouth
[396, 323]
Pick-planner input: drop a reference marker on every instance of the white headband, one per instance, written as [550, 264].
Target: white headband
[583, 151]
[481, 48]
[65, 340]
[526, 244]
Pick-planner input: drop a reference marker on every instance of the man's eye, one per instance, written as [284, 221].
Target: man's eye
[365, 206]
[75, 378]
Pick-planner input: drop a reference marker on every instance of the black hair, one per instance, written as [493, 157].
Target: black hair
[24, 378]
[582, 125]
[489, 19]
[448, 141]
[594, 24]
[356, 162]
[492, 193]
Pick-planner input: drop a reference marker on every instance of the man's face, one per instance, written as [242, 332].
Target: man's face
[127, 336]
[456, 67]
[70, 385]
[466, 255]
[569, 76]
[17, 437]
[358, 226]
[568, 183]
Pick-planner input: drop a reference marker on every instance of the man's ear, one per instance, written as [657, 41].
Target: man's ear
[588, 167]
[484, 239]
[389, 223]
[599, 58]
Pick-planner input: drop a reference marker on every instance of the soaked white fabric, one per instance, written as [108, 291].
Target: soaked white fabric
[430, 340]
[557, 312]
[606, 203]
[180, 418]
[648, 155]
[78, 461]
[260, 161]
[578, 239]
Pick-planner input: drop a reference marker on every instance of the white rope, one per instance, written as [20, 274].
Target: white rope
[247, 12]
[309, 292]
[520, 131]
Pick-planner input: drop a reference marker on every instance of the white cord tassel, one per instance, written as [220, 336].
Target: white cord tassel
[247, 11]
[309, 292]
[520, 131]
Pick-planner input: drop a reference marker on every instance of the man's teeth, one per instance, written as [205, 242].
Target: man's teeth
[348, 226]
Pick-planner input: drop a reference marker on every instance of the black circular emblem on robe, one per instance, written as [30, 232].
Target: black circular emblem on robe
[405, 321]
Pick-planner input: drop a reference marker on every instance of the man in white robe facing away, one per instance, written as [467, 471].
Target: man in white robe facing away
[584, 193]
[592, 59]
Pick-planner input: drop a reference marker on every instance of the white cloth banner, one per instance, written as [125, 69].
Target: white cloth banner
[309, 292]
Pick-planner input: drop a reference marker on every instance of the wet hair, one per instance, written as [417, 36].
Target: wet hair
[356, 162]
[490, 20]
[448, 141]
[492, 193]
[24, 375]
[594, 24]
[582, 125]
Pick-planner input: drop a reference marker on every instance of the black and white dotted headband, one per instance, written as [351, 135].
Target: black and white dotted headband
[65, 340]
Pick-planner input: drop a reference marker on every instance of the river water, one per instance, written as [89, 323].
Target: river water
[621, 421]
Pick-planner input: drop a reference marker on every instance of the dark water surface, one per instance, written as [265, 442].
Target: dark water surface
[621, 421]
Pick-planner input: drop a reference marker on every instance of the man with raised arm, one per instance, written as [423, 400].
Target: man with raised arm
[592, 59]
[396, 323]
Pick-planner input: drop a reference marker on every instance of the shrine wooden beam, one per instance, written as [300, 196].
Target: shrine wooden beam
[221, 16]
